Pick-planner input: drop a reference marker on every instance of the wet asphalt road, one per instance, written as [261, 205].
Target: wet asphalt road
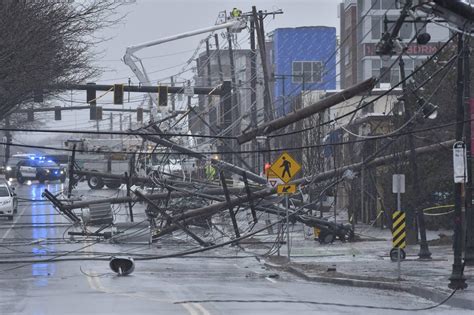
[216, 282]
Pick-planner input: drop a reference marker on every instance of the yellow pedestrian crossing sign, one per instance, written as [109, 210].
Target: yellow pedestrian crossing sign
[286, 189]
[285, 167]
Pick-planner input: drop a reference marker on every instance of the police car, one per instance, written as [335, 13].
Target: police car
[38, 168]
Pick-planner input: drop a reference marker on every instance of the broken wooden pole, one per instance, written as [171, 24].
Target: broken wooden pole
[170, 218]
[238, 200]
[157, 196]
[249, 195]
[128, 184]
[229, 204]
[308, 111]
[219, 163]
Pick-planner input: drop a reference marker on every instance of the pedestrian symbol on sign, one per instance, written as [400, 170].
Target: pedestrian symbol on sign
[285, 167]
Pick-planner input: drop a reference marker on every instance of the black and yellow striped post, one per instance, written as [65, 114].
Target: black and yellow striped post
[399, 236]
[399, 232]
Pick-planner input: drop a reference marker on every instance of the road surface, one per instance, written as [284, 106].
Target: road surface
[223, 281]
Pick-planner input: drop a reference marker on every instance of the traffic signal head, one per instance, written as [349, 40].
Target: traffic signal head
[163, 96]
[118, 94]
[91, 95]
[140, 114]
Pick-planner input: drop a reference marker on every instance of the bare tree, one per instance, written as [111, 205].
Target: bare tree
[47, 43]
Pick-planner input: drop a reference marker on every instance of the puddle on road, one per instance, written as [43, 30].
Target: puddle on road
[40, 215]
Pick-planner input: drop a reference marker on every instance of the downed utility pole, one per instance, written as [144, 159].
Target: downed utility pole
[222, 164]
[157, 196]
[170, 218]
[236, 201]
[305, 112]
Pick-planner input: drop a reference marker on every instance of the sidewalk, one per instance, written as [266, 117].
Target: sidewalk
[366, 263]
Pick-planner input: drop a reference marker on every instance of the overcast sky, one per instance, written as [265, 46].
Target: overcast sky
[153, 19]
[148, 20]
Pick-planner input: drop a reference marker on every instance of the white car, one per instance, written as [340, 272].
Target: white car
[8, 201]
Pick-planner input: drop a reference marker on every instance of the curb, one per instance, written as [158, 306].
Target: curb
[425, 293]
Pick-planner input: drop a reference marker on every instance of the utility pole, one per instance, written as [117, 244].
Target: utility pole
[424, 252]
[111, 118]
[8, 137]
[219, 62]
[457, 280]
[235, 104]
[258, 20]
[173, 98]
[253, 91]
[468, 101]
[121, 129]
[209, 79]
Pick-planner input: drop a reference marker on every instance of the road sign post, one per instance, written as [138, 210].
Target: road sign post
[286, 167]
[399, 222]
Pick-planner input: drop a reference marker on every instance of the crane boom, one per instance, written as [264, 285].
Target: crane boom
[132, 61]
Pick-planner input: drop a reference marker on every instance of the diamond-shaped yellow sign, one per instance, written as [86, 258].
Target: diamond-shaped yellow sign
[285, 167]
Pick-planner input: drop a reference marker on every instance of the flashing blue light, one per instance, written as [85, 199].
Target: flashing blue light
[32, 157]
[50, 161]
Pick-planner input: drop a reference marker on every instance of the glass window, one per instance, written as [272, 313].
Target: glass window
[384, 75]
[395, 77]
[297, 71]
[307, 71]
[374, 4]
[376, 64]
[317, 71]
[389, 4]
[4, 192]
[376, 27]
[406, 31]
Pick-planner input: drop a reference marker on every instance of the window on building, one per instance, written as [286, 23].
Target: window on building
[374, 4]
[307, 71]
[390, 4]
[377, 27]
[406, 31]
[367, 108]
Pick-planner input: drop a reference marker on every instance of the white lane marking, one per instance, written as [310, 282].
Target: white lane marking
[202, 309]
[190, 308]
[13, 223]
[270, 279]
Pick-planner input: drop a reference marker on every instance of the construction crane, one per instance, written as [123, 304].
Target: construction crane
[233, 24]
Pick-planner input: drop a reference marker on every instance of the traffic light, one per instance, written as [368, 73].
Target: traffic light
[140, 114]
[91, 95]
[118, 94]
[163, 96]
[57, 112]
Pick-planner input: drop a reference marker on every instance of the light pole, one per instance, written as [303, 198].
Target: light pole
[457, 280]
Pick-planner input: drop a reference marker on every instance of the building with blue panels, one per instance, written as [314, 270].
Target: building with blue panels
[303, 59]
